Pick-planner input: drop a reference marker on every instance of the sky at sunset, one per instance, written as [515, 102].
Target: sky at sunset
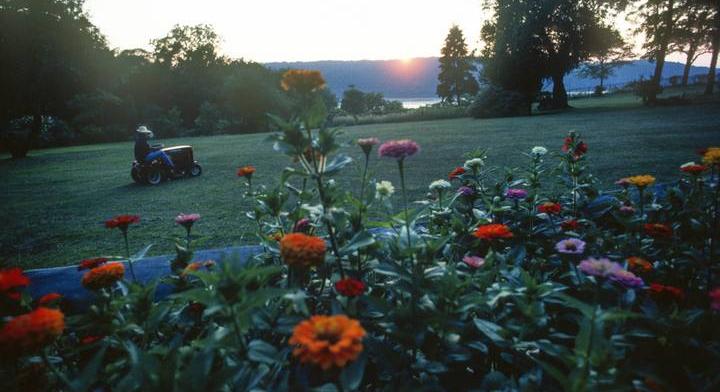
[294, 30]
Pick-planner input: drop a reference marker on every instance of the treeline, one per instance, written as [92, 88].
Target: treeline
[62, 84]
[528, 42]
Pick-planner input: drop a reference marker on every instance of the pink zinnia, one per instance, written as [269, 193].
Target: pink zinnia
[598, 267]
[715, 299]
[398, 149]
[626, 278]
[367, 143]
[474, 261]
[187, 219]
[516, 193]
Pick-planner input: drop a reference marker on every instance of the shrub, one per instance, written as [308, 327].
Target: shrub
[493, 101]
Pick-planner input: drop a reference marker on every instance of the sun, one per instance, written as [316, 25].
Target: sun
[406, 60]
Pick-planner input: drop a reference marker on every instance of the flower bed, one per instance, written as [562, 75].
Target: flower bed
[533, 281]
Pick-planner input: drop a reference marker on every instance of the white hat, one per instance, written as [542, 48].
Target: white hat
[143, 129]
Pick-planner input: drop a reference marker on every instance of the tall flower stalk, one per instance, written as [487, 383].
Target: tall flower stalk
[399, 150]
[122, 222]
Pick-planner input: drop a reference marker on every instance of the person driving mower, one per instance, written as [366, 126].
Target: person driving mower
[144, 152]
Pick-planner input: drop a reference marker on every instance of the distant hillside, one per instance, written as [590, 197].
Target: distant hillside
[417, 78]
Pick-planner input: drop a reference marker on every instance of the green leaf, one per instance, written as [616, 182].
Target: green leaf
[337, 163]
[88, 376]
[141, 254]
[490, 329]
[352, 375]
[360, 240]
[263, 352]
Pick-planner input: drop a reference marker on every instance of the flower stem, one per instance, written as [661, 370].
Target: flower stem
[363, 185]
[54, 370]
[401, 166]
[127, 253]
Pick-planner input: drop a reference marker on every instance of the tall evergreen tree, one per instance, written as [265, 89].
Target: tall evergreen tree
[456, 68]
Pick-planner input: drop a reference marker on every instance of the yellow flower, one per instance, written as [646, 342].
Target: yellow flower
[328, 341]
[641, 181]
[302, 80]
[712, 156]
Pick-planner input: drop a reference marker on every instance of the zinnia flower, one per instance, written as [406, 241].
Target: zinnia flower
[246, 171]
[301, 225]
[302, 81]
[666, 293]
[626, 278]
[715, 299]
[712, 156]
[456, 172]
[493, 231]
[384, 188]
[367, 144]
[598, 267]
[474, 164]
[103, 276]
[122, 222]
[627, 210]
[539, 150]
[187, 220]
[549, 208]
[350, 287]
[571, 246]
[693, 168]
[466, 191]
[298, 249]
[641, 181]
[30, 332]
[474, 261]
[92, 263]
[327, 341]
[12, 280]
[639, 264]
[570, 225]
[658, 230]
[49, 300]
[90, 339]
[398, 149]
[439, 185]
[516, 193]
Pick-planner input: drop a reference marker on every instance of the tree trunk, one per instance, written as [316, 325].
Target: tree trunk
[709, 88]
[560, 99]
[660, 55]
[688, 65]
[35, 129]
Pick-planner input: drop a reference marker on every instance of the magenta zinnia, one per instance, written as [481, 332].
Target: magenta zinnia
[398, 149]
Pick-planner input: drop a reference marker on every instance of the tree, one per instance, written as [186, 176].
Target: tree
[512, 57]
[692, 34]
[658, 24]
[50, 52]
[607, 51]
[456, 68]
[715, 5]
[353, 102]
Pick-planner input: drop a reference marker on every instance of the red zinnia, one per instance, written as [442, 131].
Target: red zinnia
[570, 225]
[350, 287]
[90, 339]
[92, 263]
[550, 208]
[122, 221]
[693, 169]
[49, 300]
[11, 281]
[493, 231]
[32, 331]
[458, 171]
[658, 230]
[664, 293]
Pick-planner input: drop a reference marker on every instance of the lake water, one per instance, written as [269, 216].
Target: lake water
[414, 103]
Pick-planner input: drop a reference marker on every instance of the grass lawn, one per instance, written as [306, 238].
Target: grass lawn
[54, 202]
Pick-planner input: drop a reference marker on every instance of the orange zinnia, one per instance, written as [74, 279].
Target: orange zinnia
[11, 281]
[302, 250]
[246, 171]
[328, 341]
[302, 80]
[49, 300]
[639, 264]
[103, 276]
[32, 331]
[493, 231]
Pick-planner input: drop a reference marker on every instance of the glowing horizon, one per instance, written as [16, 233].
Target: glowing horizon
[310, 30]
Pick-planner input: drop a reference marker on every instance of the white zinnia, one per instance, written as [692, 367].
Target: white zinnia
[439, 185]
[384, 188]
[474, 163]
[539, 150]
